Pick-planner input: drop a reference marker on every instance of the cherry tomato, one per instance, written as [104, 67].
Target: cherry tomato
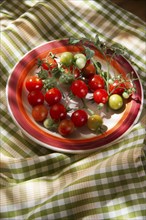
[128, 85]
[66, 127]
[39, 113]
[96, 82]
[53, 96]
[33, 83]
[94, 122]
[79, 55]
[66, 58]
[80, 62]
[117, 87]
[50, 63]
[58, 112]
[35, 97]
[100, 96]
[45, 66]
[89, 70]
[75, 71]
[115, 102]
[126, 95]
[79, 118]
[79, 88]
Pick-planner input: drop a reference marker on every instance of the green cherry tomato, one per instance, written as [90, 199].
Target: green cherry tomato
[80, 60]
[94, 122]
[80, 63]
[115, 101]
[125, 95]
[50, 124]
[66, 58]
[79, 55]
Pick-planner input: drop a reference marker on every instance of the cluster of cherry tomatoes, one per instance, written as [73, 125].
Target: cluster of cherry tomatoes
[81, 77]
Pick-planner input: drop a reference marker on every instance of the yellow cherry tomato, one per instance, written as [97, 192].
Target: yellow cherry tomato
[94, 122]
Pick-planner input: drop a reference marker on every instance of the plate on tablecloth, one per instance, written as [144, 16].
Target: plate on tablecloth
[117, 123]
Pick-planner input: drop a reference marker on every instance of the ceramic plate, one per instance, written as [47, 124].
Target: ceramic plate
[117, 123]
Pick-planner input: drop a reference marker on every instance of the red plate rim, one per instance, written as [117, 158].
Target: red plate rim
[68, 145]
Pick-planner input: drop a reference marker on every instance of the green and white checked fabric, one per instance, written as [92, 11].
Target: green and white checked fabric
[37, 183]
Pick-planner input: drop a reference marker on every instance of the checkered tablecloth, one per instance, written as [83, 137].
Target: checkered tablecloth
[37, 183]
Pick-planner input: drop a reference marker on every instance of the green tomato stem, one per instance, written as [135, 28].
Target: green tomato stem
[86, 107]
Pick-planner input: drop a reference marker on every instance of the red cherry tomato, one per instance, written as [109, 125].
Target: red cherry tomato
[96, 82]
[58, 112]
[79, 118]
[79, 88]
[89, 70]
[128, 85]
[52, 62]
[39, 113]
[66, 127]
[100, 96]
[35, 97]
[53, 96]
[45, 66]
[75, 71]
[33, 83]
[117, 87]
